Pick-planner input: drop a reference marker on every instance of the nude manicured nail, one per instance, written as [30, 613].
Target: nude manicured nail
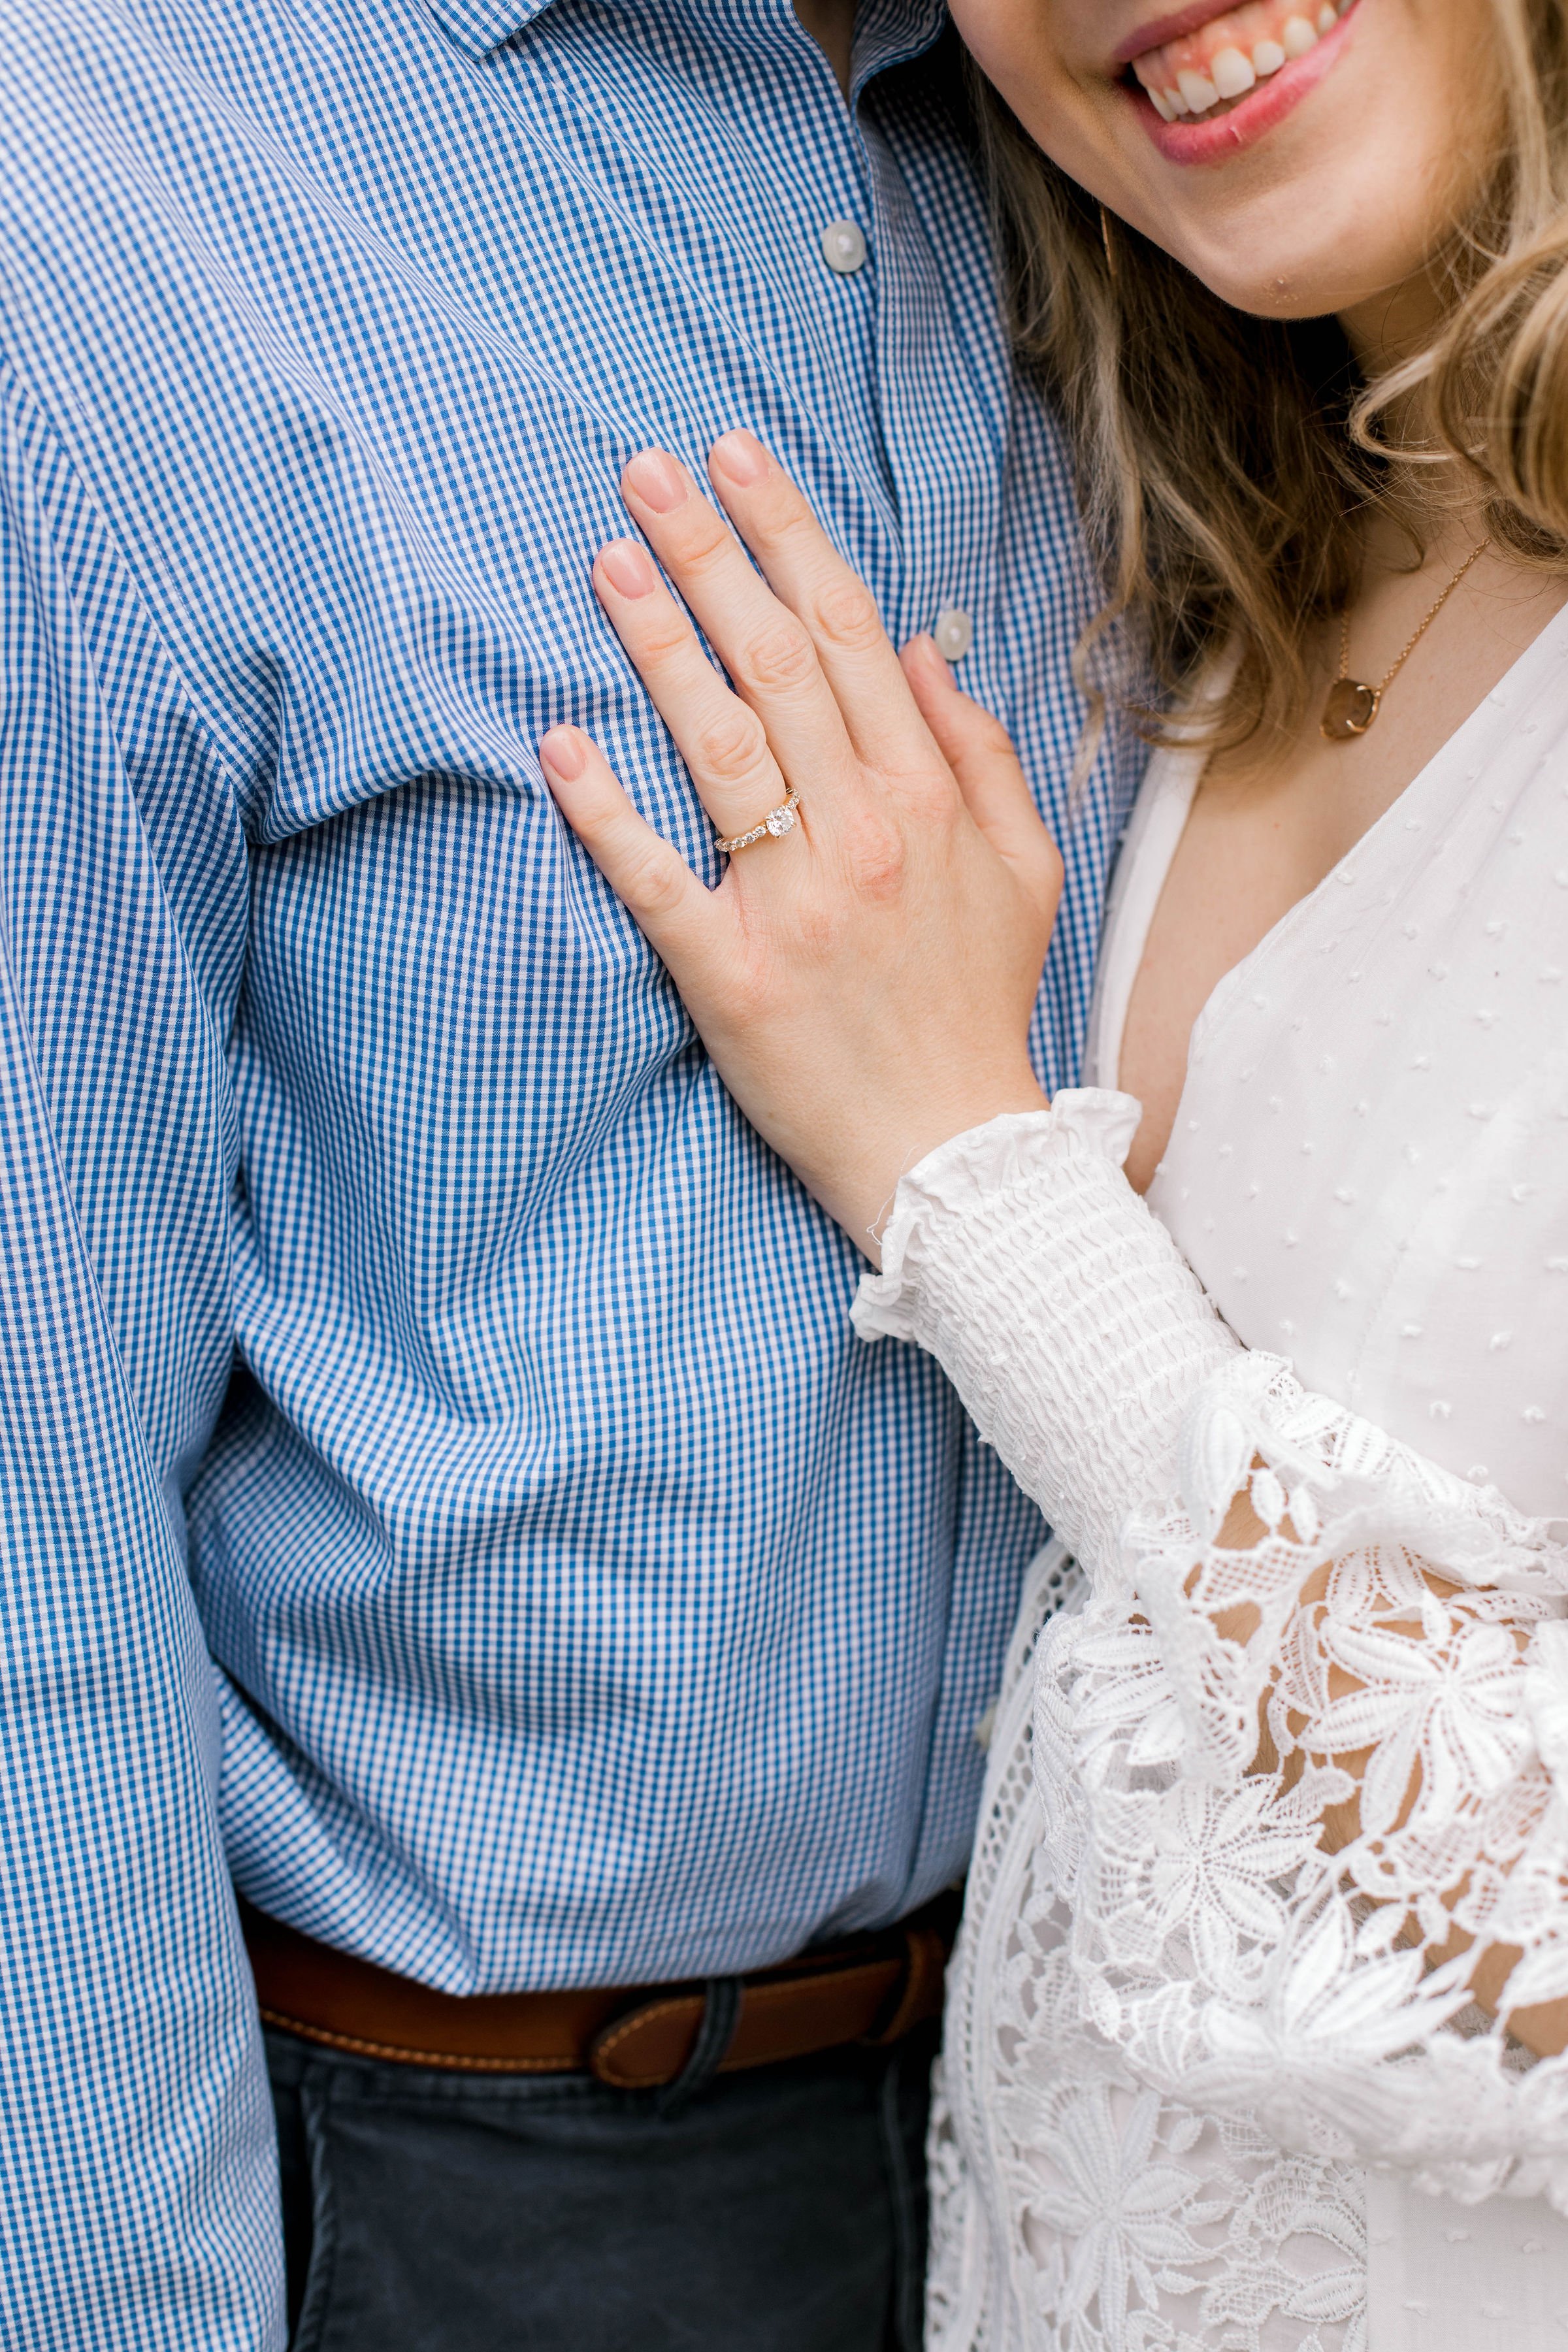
[926, 654]
[741, 457]
[562, 752]
[656, 480]
[626, 568]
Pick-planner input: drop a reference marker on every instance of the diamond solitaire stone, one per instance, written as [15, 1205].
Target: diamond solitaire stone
[777, 821]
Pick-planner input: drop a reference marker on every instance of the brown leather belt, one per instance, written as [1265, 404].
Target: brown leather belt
[871, 1989]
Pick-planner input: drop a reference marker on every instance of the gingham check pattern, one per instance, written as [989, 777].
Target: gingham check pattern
[586, 1602]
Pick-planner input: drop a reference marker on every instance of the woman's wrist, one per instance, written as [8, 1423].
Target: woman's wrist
[862, 1198]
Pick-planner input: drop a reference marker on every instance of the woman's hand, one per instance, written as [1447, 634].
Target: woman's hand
[864, 982]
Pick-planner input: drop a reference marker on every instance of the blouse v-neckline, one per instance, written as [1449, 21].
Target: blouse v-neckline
[1154, 834]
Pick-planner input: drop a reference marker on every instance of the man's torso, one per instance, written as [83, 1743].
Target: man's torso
[590, 1604]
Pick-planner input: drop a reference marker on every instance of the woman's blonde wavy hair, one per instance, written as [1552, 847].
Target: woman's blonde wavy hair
[1226, 464]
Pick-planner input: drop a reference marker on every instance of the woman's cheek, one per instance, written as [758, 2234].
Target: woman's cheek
[1055, 85]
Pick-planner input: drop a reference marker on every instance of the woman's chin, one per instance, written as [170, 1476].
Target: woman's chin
[1284, 297]
[1287, 282]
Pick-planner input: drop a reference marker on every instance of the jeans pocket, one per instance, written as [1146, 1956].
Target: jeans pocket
[312, 2329]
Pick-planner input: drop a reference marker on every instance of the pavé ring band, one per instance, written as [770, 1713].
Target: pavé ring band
[778, 822]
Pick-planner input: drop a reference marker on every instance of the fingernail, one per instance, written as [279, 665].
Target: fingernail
[740, 456]
[562, 752]
[928, 652]
[656, 480]
[625, 566]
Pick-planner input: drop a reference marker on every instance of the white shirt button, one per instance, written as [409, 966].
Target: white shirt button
[955, 633]
[844, 246]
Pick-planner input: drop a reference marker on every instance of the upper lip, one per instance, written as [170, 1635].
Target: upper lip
[1170, 29]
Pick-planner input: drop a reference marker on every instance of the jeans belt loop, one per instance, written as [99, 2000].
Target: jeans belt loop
[720, 2014]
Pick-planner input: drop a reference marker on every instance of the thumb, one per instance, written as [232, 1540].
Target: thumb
[979, 750]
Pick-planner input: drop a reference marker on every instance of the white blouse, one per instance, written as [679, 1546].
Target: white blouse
[1203, 2087]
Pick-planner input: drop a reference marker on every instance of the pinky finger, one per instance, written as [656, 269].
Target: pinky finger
[979, 750]
[656, 886]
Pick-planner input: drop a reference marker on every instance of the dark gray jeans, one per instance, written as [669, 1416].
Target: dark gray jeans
[779, 2210]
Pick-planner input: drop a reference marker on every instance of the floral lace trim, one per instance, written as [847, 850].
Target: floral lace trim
[1070, 2206]
[1204, 1928]
[1233, 1953]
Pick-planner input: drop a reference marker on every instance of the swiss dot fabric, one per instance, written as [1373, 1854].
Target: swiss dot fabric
[574, 1600]
[1211, 2082]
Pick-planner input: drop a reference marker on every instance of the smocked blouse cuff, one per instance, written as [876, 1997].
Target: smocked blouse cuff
[1067, 1320]
[976, 1175]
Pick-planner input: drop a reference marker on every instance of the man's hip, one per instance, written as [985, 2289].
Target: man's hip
[672, 2187]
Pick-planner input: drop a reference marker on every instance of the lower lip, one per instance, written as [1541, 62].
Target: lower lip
[1259, 112]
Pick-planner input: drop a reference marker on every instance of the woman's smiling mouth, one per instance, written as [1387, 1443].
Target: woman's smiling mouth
[1233, 61]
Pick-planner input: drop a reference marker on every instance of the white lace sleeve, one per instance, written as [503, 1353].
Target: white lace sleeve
[1237, 1957]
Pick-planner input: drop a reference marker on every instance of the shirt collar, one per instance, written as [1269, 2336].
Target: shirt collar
[478, 26]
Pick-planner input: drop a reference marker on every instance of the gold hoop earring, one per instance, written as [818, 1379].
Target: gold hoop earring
[1111, 261]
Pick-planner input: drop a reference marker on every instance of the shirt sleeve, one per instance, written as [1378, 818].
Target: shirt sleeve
[137, 2162]
[1384, 1649]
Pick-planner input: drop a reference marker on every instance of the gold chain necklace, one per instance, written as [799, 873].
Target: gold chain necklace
[1351, 706]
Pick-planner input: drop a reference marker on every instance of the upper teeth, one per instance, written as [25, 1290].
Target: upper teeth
[1198, 92]
[1234, 75]
[1233, 69]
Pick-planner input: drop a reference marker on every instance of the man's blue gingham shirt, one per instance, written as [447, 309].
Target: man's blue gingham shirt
[556, 1593]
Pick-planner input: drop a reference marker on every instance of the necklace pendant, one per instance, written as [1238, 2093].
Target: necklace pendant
[1349, 709]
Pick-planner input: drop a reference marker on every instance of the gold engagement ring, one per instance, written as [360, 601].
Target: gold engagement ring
[778, 822]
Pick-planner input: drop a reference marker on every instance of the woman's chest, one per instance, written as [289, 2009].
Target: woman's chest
[1368, 1167]
[1264, 832]
[1253, 847]
[1237, 871]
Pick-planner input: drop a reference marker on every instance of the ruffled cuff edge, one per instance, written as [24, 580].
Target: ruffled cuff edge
[972, 1174]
